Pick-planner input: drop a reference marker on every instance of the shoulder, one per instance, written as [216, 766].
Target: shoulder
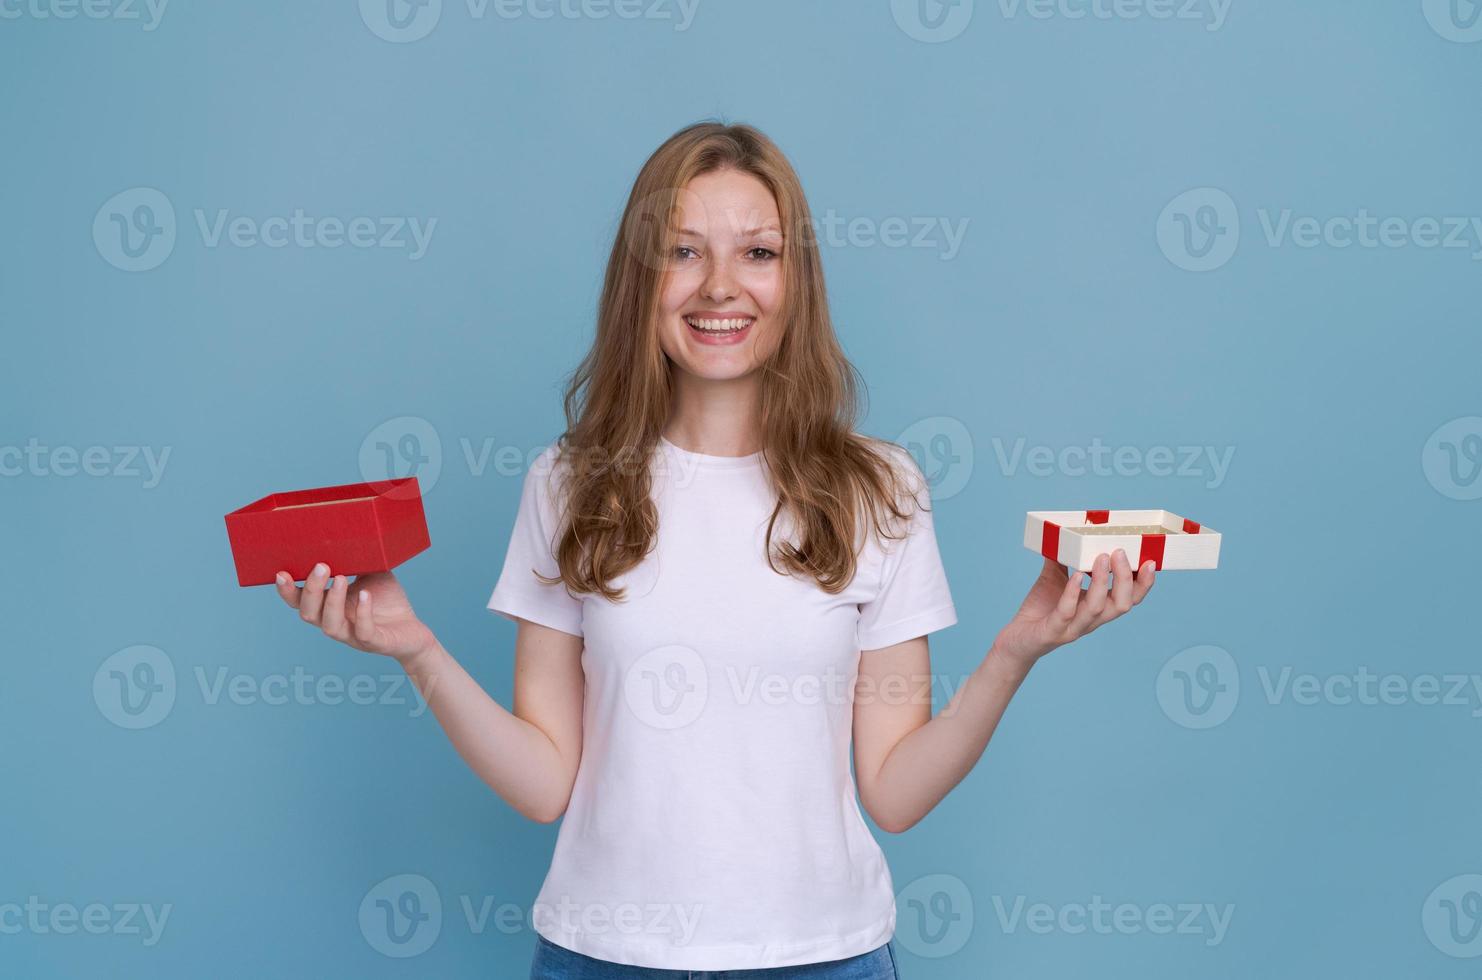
[547, 459]
[910, 482]
[546, 472]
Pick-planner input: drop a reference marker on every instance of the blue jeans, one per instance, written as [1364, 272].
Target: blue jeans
[554, 962]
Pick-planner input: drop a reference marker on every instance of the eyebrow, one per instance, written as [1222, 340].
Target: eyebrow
[747, 233]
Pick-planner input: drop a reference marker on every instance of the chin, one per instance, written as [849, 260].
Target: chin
[716, 372]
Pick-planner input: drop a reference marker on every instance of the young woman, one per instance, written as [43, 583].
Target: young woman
[720, 588]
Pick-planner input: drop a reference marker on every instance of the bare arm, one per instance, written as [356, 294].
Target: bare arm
[905, 760]
[528, 756]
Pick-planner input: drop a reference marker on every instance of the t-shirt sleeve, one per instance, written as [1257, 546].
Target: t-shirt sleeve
[914, 598]
[518, 593]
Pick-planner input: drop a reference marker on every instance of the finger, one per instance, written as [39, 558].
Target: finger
[1145, 579]
[1095, 599]
[287, 590]
[365, 623]
[332, 618]
[312, 600]
[1121, 590]
[1070, 596]
[1055, 570]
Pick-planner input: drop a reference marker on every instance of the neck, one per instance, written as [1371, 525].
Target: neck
[718, 418]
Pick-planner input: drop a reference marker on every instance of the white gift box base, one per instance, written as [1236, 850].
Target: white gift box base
[1065, 536]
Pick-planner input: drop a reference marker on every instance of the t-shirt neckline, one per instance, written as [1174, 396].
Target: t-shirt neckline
[714, 462]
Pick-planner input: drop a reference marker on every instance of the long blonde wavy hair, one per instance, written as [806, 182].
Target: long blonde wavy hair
[832, 481]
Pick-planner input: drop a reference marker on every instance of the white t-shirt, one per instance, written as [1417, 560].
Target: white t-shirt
[714, 823]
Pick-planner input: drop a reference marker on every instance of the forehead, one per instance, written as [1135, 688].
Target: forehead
[727, 201]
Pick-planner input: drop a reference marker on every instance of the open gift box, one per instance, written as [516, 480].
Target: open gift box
[355, 529]
[1075, 537]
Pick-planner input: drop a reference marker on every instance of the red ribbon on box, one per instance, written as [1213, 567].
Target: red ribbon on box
[1049, 541]
[1151, 550]
[1150, 547]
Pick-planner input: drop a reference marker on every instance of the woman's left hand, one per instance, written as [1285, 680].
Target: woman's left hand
[1057, 611]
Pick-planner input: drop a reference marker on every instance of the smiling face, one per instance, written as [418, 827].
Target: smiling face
[722, 290]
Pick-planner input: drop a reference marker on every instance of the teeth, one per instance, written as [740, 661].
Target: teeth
[719, 326]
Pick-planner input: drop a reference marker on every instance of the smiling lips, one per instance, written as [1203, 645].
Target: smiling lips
[719, 328]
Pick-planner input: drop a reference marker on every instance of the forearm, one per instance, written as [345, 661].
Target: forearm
[514, 757]
[925, 765]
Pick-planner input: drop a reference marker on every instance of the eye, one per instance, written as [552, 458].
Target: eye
[683, 252]
[761, 254]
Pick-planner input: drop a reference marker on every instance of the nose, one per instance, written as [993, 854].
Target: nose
[719, 285]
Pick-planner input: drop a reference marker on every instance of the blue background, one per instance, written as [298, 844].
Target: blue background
[1328, 827]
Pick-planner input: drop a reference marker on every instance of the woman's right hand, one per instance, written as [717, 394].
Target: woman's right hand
[370, 614]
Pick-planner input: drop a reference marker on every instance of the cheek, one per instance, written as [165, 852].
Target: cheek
[676, 291]
[765, 287]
